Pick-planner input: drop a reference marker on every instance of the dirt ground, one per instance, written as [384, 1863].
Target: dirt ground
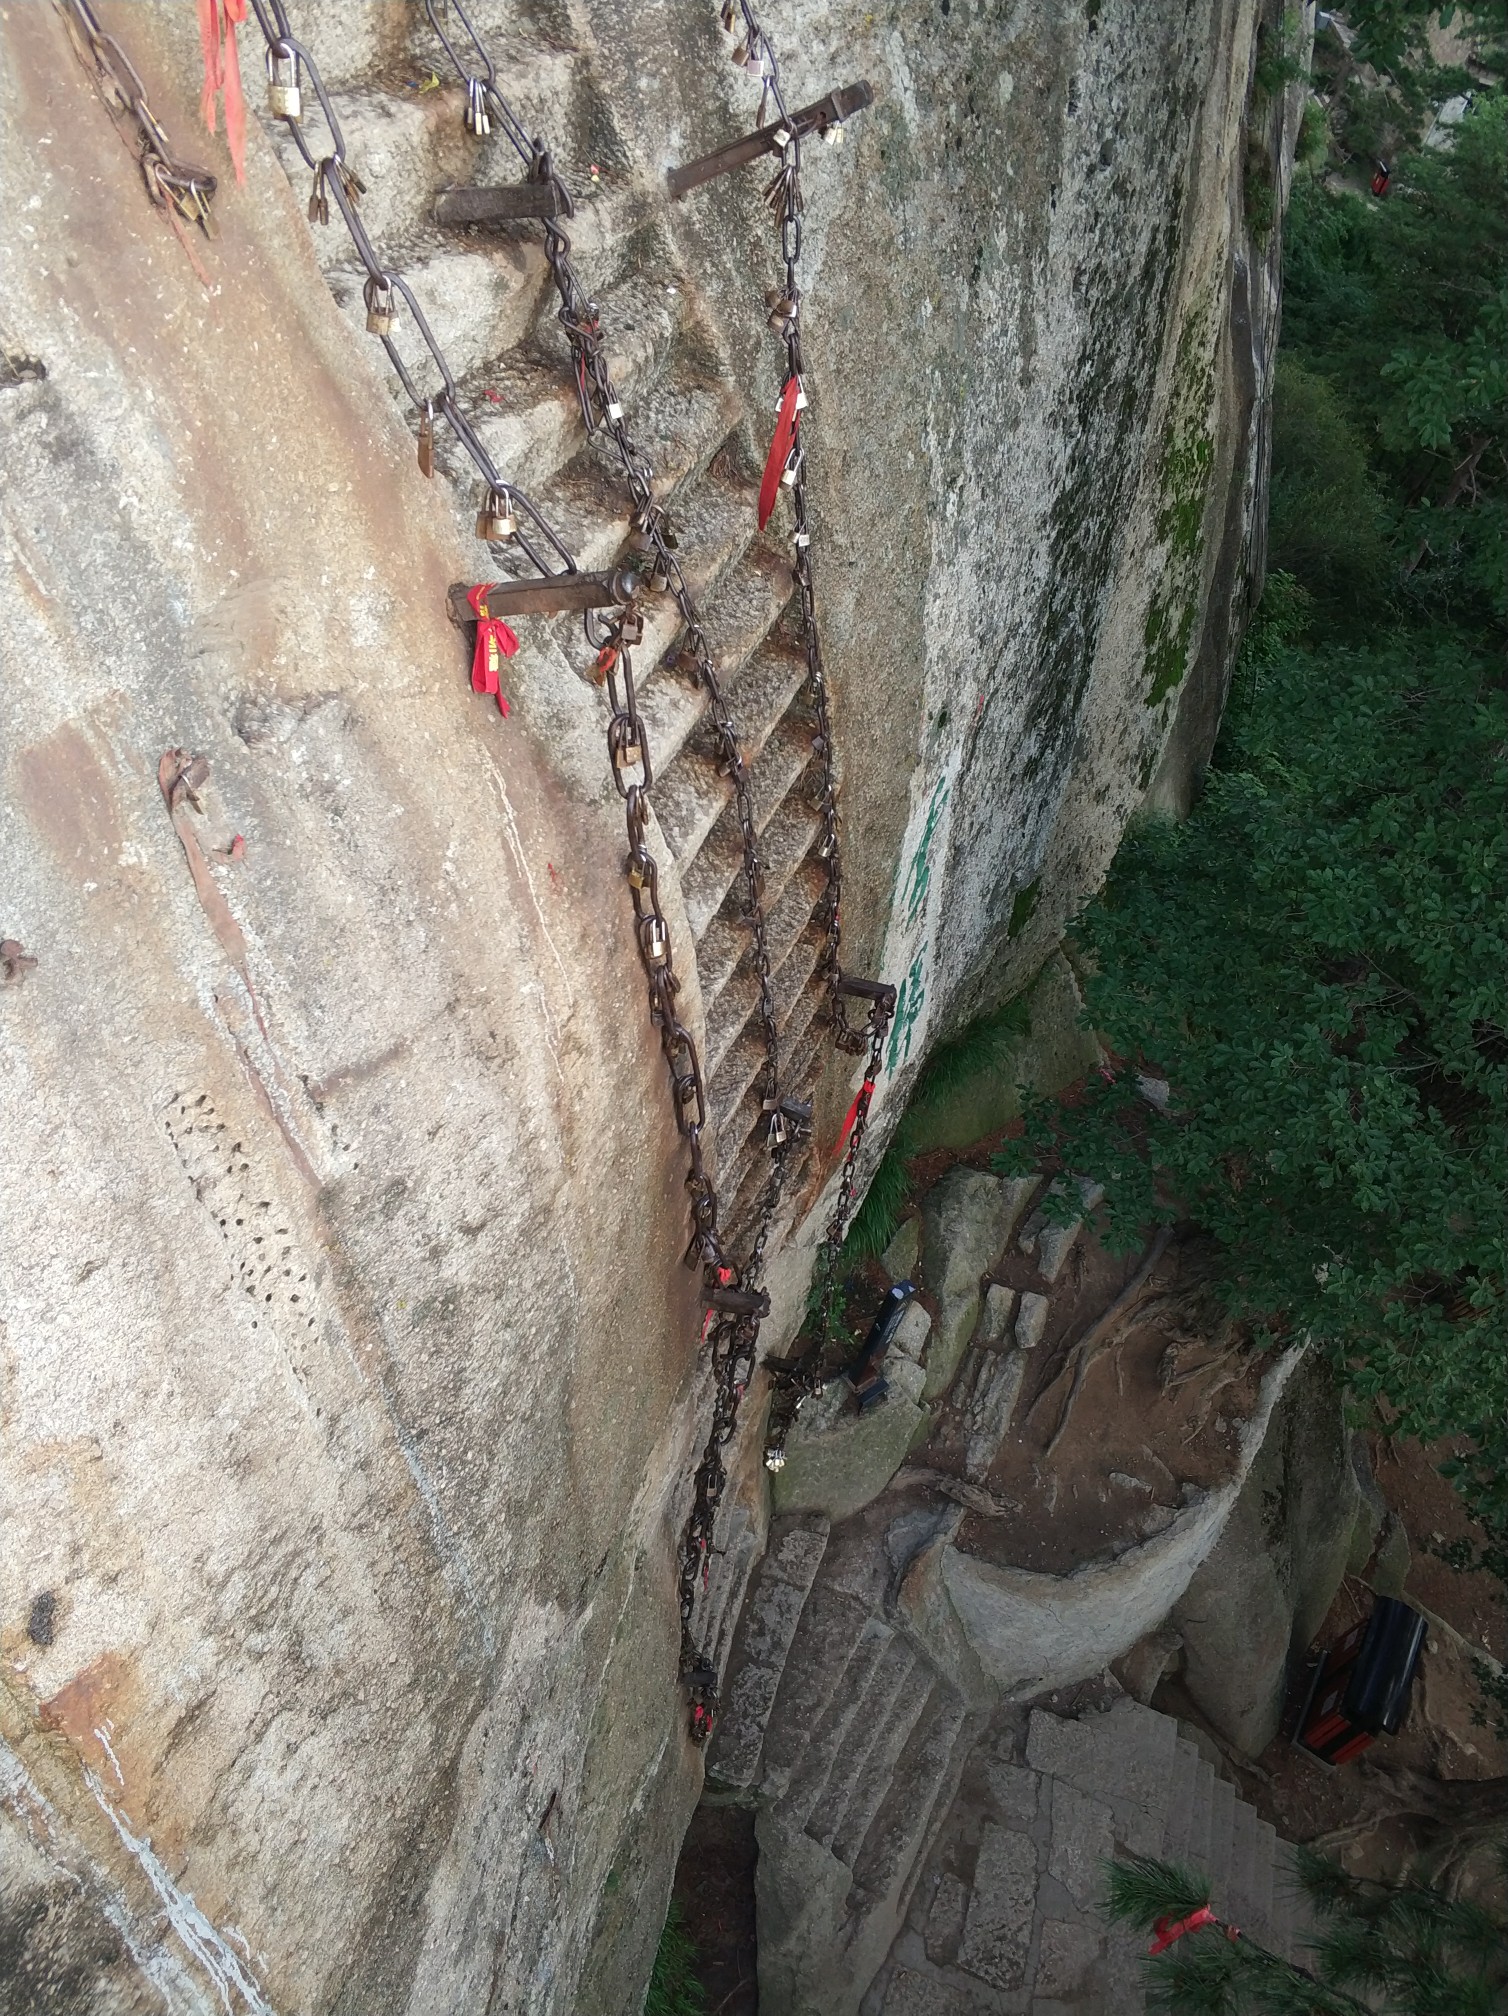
[714, 1886]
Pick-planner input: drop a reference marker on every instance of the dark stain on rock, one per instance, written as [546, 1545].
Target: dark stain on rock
[42, 1618]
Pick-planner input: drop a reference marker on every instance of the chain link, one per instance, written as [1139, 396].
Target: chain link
[795, 1379]
[335, 179]
[733, 1336]
[173, 185]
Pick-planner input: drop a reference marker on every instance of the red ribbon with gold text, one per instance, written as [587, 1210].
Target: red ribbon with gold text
[494, 642]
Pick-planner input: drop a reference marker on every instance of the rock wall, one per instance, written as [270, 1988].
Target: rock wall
[349, 1369]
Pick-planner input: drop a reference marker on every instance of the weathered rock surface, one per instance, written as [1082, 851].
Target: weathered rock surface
[966, 1220]
[1030, 1632]
[350, 1373]
[1261, 1593]
[837, 1459]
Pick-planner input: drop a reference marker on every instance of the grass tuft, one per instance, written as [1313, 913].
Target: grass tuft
[674, 1989]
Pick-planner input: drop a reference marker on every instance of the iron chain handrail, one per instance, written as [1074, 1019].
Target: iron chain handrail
[170, 181]
[334, 177]
[795, 1379]
[733, 1336]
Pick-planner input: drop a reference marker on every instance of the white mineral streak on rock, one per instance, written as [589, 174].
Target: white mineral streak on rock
[205, 1944]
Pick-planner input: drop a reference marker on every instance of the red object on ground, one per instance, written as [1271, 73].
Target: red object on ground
[494, 642]
[218, 21]
[780, 450]
[1170, 1929]
[1381, 179]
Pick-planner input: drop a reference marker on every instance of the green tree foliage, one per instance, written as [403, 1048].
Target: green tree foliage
[1380, 1949]
[1315, 961]
[1327, 523]
[1402, 306]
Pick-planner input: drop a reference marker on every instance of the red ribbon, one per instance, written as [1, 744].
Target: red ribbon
[780, 450]
[218, 20]
[1169, 1930]
[865, 1093]
[494, 642]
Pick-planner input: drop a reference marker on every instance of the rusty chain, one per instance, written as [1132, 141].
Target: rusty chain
[288, 61]
[794, 1379]
[756, 53]
[173, 185]
[735, 1299]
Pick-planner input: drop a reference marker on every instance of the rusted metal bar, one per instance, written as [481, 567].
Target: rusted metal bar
[547, 595]
[868, 990]
[738, 1301]
[829, 111]
[500, 204]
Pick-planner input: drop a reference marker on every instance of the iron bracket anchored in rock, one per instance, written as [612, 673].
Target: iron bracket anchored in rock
[548, 594]
[503, 203]
[827, 113]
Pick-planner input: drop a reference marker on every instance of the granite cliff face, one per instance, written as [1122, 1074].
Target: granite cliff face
[349, 1369]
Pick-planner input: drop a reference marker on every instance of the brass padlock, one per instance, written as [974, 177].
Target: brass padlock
[495, 520]
[656, 942]
[379, 299]
[285, 98]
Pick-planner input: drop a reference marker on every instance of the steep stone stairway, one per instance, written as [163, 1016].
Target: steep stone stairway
[490, 302]
[924, 1856]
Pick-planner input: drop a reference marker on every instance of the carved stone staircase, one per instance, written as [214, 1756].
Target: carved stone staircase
[490, 302]
[921, 1855]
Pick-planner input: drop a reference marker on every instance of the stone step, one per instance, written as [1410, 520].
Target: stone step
[481, 301]
[1292, 1917]
[730, 1084]
[827, 1637]
[723, 949]
[727, 1586]
[758, 695]
[808, 1781]
[872, 1782]
[1260, 1906]
[1123, 1758]
[804, 1047]
[735, 1006]
[1200, 1815]
[886, 1678]
[524, 408]
[1181, 1787]
[921, 1791]
[673, 701]
[1222, 1821]
[788, 825]
[1243, 1855]
[763, 1644]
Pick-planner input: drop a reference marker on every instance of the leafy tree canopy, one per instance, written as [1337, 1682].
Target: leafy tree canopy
[1314, 962]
